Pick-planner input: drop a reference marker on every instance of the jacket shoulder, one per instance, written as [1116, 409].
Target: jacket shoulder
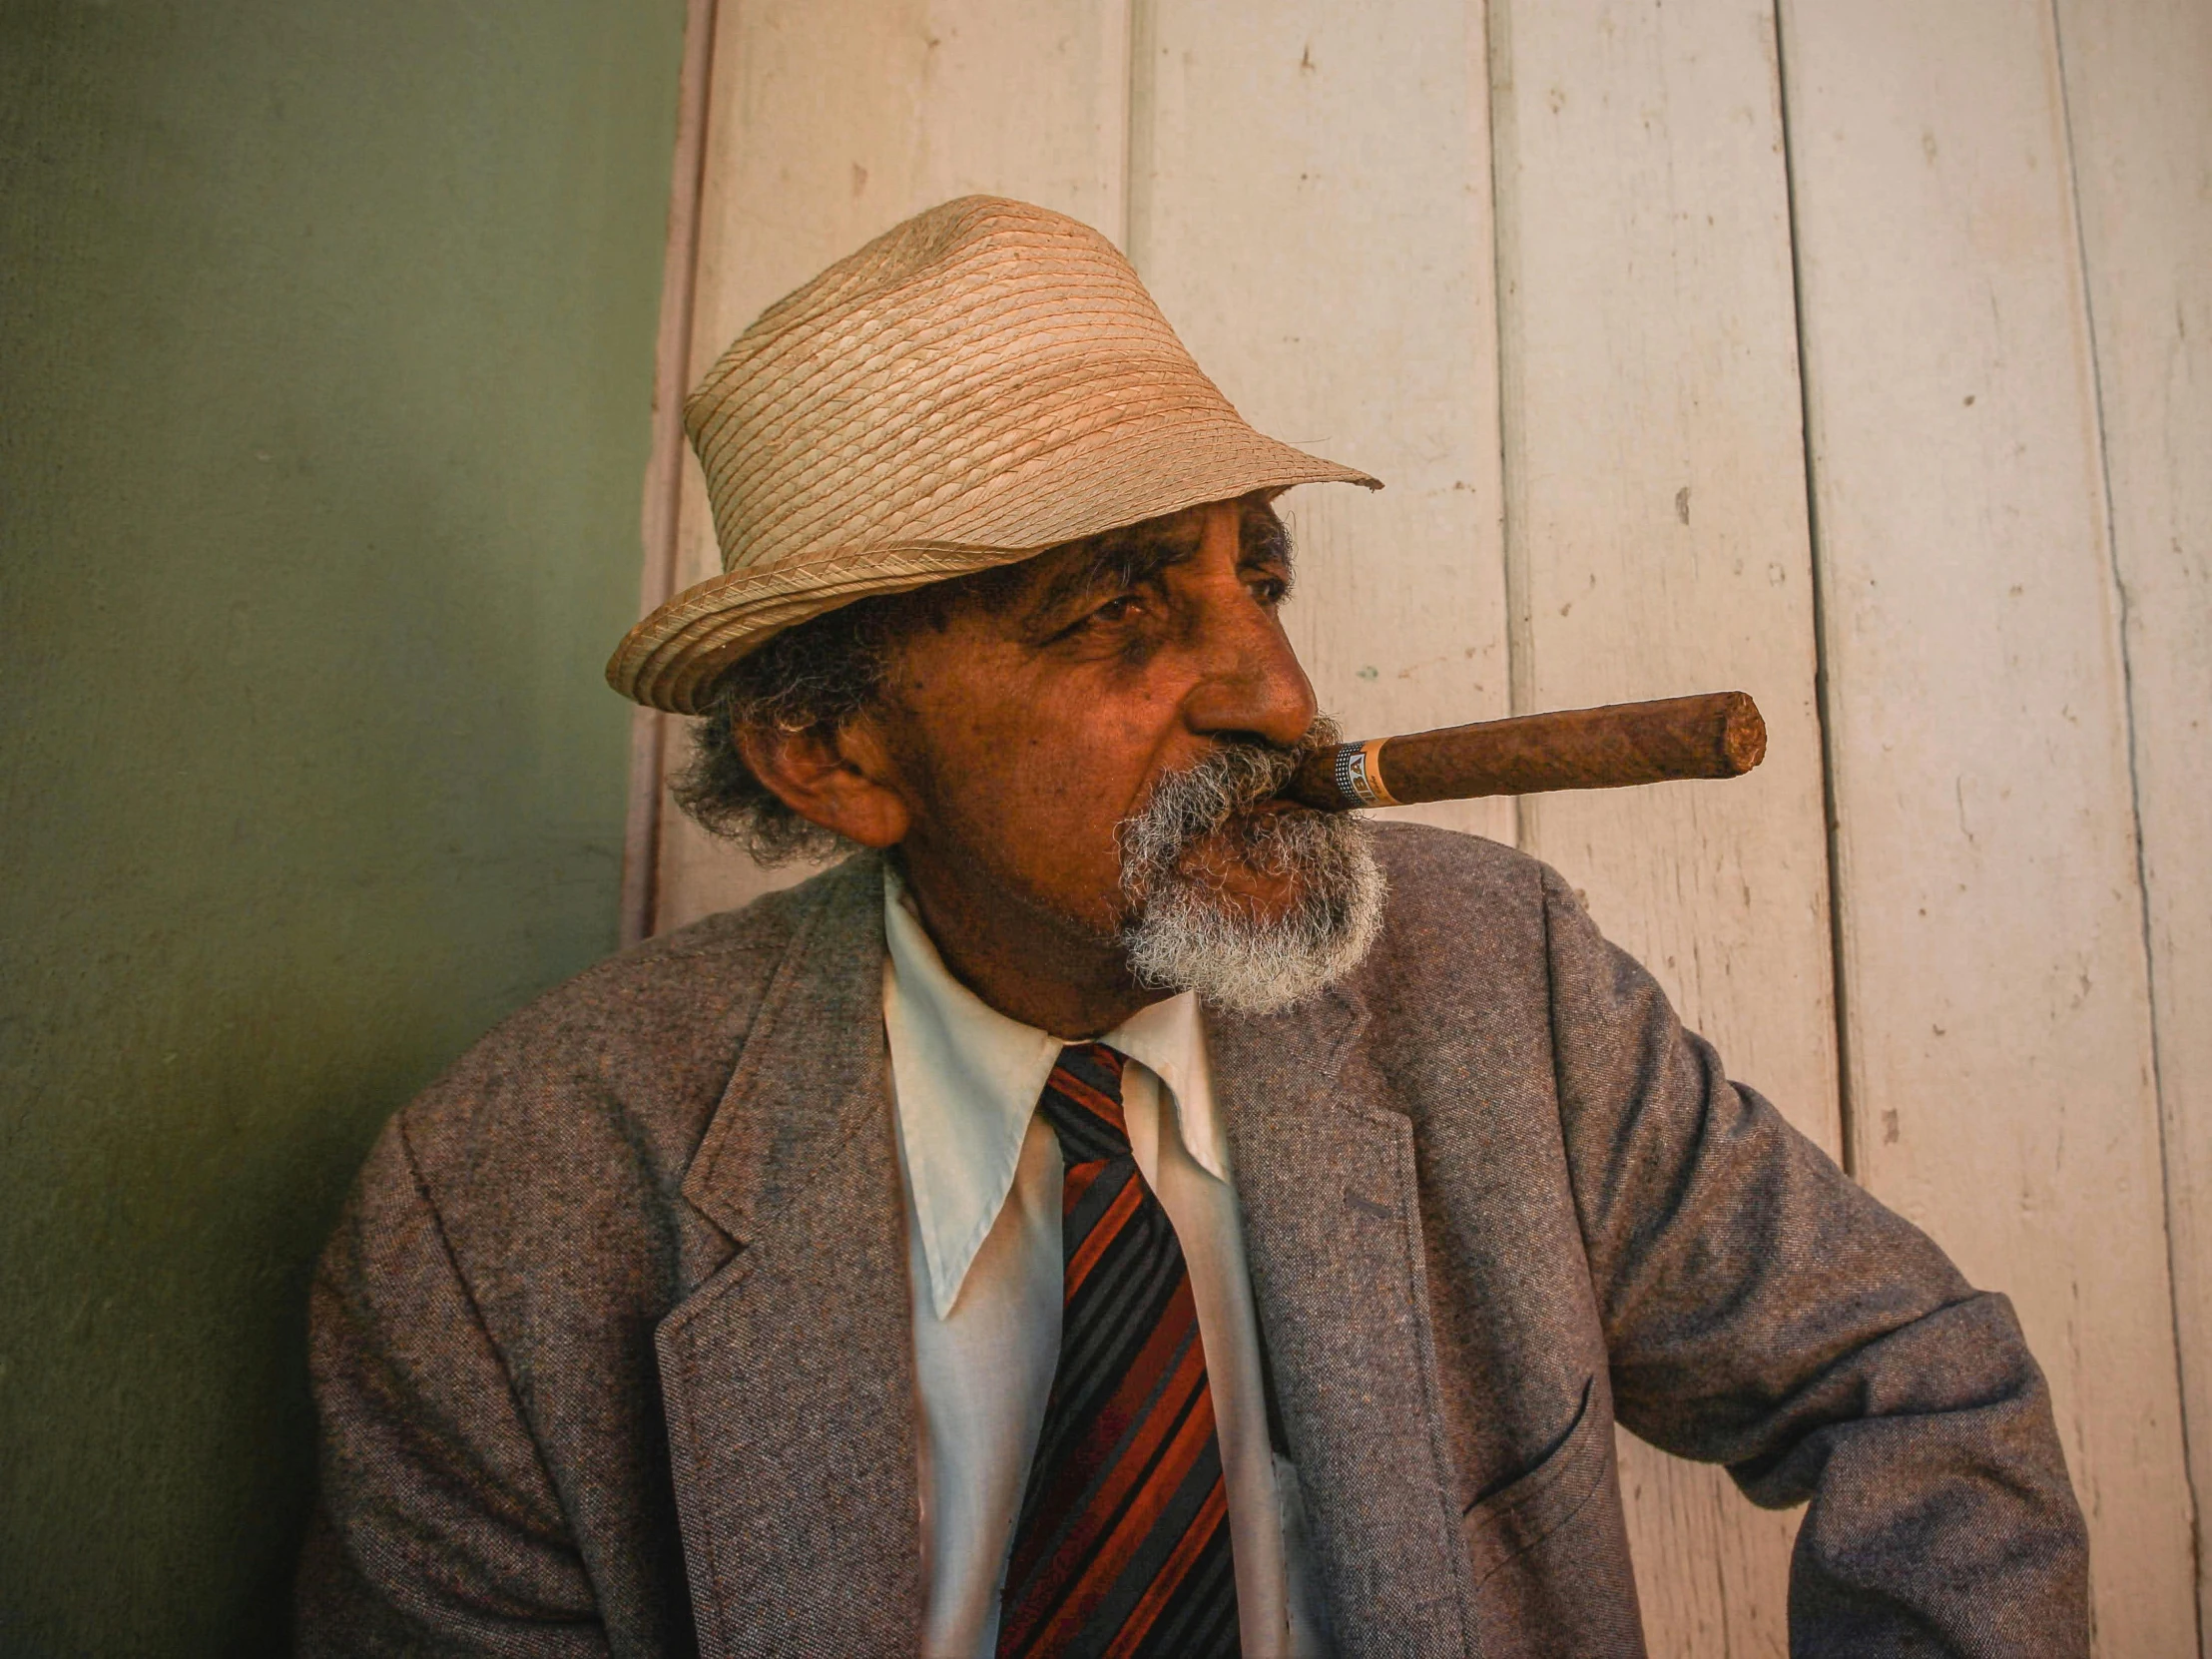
[1444, 878]
[632, 1054]
[1468, 937]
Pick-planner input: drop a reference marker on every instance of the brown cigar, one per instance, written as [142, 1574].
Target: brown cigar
[1717, 735]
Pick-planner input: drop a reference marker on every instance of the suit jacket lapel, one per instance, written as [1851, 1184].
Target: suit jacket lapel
[788, 1376]
[1332, 1235]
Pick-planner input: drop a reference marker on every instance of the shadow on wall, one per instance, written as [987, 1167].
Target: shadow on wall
[328, 342]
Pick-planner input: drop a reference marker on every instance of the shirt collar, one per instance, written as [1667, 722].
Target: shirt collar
[1170, 1040]
[968, 1077]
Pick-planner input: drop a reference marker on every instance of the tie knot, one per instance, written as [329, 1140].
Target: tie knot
[1082, 1102]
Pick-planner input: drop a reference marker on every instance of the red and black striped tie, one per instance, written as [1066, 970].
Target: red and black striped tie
[1122, 1545]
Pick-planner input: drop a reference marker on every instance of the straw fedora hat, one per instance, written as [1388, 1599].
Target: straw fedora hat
[982, 382]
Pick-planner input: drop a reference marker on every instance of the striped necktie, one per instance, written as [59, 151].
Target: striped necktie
[1122, 1545]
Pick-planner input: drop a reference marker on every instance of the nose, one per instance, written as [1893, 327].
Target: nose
[1248, 682]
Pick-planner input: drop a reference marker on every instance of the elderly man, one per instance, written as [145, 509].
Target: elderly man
[1114, 1211]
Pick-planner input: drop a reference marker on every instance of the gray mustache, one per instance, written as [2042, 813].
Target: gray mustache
[1201, 801]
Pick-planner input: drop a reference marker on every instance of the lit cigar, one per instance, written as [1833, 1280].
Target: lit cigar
[1717, 735]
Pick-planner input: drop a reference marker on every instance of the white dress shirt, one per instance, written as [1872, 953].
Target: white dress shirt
[984, 1179]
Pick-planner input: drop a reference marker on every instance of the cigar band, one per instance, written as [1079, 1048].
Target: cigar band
[1359, 774]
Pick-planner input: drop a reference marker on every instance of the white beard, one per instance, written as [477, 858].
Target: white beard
[1188, 934]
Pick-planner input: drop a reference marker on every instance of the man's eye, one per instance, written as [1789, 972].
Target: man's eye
[1271, 590]
[1118, 609]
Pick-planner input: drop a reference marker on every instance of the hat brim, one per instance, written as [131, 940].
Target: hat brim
[672, 659]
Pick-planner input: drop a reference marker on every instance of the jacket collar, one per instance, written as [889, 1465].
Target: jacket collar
[1333, 1237]
[788, 1376]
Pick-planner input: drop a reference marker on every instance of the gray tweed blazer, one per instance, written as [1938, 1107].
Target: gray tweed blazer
[612, 1349]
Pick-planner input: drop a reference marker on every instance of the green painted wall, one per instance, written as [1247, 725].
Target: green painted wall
[325, 362]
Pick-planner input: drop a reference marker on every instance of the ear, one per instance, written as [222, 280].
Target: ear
[846, 783]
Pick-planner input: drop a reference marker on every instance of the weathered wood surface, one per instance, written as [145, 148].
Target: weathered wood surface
[829, 120]
[1997, 1033]
[1657, 543]
[2138, 85]
[1574, 361]
[1309, 203]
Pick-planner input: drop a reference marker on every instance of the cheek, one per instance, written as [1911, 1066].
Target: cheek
[1036, 785]
[1052, 797]
[1024, 769]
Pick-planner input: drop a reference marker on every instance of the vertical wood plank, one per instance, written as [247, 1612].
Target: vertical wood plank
[1310, 196]
[828, 121]
[2138, 83]
[1997, 1034]
[641, 843]
[1658, 544]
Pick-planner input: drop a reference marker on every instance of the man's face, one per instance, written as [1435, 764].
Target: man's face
[1039, 719]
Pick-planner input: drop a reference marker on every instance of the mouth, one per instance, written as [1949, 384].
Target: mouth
[1242, 822]
[1224, 820]
[1254, 849]
[1276, 803]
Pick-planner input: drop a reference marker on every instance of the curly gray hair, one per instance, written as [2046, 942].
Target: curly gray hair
[810, 679]
[814, 679]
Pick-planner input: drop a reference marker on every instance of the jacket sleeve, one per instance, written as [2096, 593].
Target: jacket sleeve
[438, 1532]
[1761, 1311]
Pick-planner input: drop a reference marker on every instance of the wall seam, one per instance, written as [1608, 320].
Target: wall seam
[1824, 709]
[2135, 809]
[1517, 649]
[1520, 665]
[1125, 35]
[664, 473]
[1138, 120]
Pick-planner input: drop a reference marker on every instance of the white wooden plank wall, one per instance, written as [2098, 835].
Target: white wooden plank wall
[1997, 1033]
[1309, 203]
[829, 120]
[2138, 85]
[1532, 261]
[1656, 533]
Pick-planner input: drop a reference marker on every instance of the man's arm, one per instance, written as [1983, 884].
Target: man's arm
[1763, 1312]
[440, 1532]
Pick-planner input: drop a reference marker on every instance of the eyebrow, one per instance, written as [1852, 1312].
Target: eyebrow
[1127, 558]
